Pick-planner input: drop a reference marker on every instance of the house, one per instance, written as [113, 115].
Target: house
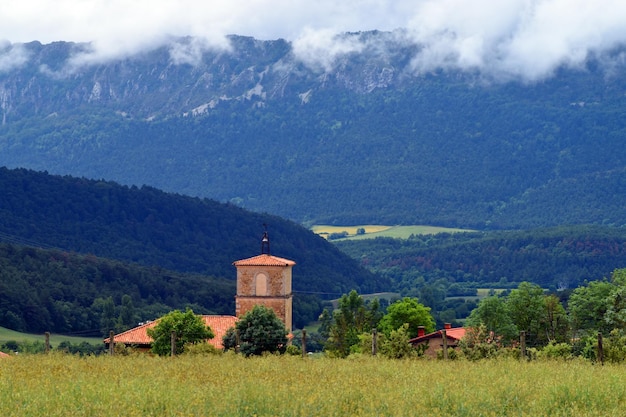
[4, 355]
[261, 280]
[139, 339]
[434, 341]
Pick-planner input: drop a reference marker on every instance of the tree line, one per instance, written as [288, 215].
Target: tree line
[549, 324]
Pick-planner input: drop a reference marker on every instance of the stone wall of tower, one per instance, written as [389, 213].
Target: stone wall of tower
[278, 280]
[283, 307]
[269, 286]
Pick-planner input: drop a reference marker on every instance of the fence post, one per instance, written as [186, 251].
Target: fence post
[173, 343]
[600, 349]
[47, 342]
[304, 343]
[522, 343]
[111, 342]
[374, 342]
[445, 344]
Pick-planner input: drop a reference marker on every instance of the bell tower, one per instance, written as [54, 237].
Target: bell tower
[266, 280]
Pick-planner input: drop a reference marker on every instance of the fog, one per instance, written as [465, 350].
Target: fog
[525, 39]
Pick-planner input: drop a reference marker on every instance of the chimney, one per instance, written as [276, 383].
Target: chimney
[447, 326]
[420, 331]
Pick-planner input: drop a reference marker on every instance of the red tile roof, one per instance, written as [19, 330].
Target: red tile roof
[264, 260]
[4, 355]
[455, 333]
[139, 335]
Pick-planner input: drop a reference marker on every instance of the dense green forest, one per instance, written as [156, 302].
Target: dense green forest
[555, 258]
[50, 290]
[365, 142]
[153, 230]
[151, 227]
[445, 270]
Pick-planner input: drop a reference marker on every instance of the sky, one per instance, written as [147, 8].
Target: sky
[520, 38]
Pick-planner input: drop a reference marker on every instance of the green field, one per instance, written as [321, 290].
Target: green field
[229, 385]
[11, 335]
[373, 231]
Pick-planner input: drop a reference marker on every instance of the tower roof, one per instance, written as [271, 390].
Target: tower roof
[264, 260]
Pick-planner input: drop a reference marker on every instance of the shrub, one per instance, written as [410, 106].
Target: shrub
[293, 350]
[397, 346]
[615, 347]
[555, 351]
[201, 349]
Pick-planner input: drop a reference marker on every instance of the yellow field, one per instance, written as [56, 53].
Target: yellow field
[373, 231]
[326, 229]
[57, 385]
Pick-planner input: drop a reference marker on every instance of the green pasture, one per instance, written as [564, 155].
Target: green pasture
[480, 294]
[373, 231]
[11, 335]
[292, 386]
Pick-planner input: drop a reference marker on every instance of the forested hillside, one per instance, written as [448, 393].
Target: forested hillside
[445, 270]
[51, 290]
[154, 229]
[556, 258]
[366, 140]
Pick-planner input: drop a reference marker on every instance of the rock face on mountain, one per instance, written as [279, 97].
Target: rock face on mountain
[355, 137]
[179, 79]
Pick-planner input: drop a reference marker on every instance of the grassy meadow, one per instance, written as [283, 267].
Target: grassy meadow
[373, 231]
[8, 335]
[228, 385]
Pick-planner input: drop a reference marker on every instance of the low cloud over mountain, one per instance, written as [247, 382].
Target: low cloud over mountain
[510, 39]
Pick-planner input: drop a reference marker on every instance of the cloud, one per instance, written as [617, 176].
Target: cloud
[12, 56]
[320, 49]
[526, 39]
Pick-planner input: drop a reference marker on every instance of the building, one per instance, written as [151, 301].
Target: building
[434, 341]
[262, 279]
[138, 337]
[266, 280]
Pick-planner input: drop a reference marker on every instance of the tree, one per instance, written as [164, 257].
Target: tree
[108, 321]
[397, 345]
[350, 320]
[527, 308]
[555, 324]
[492, 316]
[587, 307]
[410, 312]
[326, 322]
[126, 319]
[188, 327]
[615, 315]
[260, 330]
[433, 295]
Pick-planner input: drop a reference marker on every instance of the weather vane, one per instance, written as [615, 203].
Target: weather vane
[265, 241]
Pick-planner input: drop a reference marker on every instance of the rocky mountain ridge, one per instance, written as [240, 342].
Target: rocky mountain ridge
[351, 136]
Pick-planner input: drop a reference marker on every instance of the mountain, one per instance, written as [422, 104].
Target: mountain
[144, 243]
[365, 138]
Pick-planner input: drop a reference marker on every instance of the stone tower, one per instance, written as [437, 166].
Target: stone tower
[265, 280]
